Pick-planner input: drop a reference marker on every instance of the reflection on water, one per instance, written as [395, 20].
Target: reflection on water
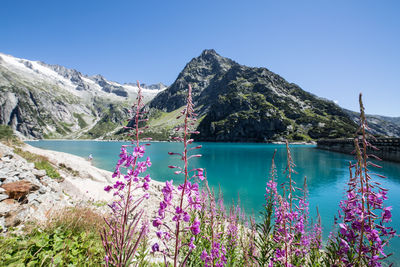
[242, 169]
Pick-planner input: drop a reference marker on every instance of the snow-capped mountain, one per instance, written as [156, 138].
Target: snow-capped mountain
[41, 100]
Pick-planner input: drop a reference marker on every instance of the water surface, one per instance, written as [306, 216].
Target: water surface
[241, 169]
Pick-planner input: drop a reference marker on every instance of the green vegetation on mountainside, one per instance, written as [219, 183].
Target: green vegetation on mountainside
[245, 104]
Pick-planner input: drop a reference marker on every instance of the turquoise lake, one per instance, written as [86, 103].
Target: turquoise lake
[241, 169]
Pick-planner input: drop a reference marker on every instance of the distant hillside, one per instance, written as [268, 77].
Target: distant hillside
[380, 125]
[238, 103]
[50, 101]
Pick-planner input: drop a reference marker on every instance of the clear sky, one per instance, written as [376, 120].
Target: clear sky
[334, 49]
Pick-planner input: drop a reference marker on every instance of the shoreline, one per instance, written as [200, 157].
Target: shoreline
[312, 143]
[89, 182]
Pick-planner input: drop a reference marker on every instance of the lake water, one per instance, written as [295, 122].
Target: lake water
[241, 169]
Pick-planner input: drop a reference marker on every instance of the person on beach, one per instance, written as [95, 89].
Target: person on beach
[90, 157]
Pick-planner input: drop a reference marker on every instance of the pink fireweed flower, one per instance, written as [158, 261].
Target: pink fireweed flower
[195, 228]
[146, 186]
[126, 215]
[138, 151]
[186, 194]
[362, 234]
[155, 247]
[200, 175]
[386, 214]
[191, 245]
[157, 222]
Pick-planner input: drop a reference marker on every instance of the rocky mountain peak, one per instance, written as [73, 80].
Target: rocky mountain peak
[199, 73]
[240, 103]
[211, 58]
[210, 54]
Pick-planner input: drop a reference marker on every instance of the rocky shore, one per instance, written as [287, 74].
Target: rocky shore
[29, 194]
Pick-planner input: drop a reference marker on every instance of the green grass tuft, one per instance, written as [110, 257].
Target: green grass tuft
[69, 239]
[41, 162]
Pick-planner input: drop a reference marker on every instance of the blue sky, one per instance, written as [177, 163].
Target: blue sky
[334, 49]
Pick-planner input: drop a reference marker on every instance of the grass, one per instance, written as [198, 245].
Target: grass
[7, 135]
[6, 132]
[41, 162]
[161, 124]
[68, 169]
[101, 128]
[69, 238]
[81, 122]
[166, 119]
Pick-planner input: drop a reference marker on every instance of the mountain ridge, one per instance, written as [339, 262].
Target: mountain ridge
[237, 103]
[40, 100]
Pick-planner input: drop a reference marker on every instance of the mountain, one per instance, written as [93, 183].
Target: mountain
[50, 101]
[237, 103]
[234, 103]
[379, 125]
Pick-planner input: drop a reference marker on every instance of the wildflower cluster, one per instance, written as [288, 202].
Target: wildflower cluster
[122, 235]
[182, 202]
[193, 227]
[291, 236]
[363, 233]
[213, 253]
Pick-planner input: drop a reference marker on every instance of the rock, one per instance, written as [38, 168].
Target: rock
[246, 104]
[2, 191]
[2, 224]
[42, 190]
[33, 197]
[31, 165]
[13, 173]
[12, 219]
[19, 190]
[24, 105]
[39, 173]
[7, 206]
[10, 179]
[3, 196]
[6, 159]
[3, 173]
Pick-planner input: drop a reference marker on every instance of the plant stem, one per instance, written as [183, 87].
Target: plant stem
[184, 184]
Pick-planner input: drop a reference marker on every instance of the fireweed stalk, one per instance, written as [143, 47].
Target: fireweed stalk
[284, 218]
[362, 234]
[264, 242]
[184, 215]
[121, 236]
[316, 241]
[213, 236]
[301, 237]
[290, 238]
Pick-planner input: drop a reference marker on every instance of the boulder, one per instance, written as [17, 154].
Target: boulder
[12, 219]
[18, 190]
[3, 196]
[8, 205]
[39, 173]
